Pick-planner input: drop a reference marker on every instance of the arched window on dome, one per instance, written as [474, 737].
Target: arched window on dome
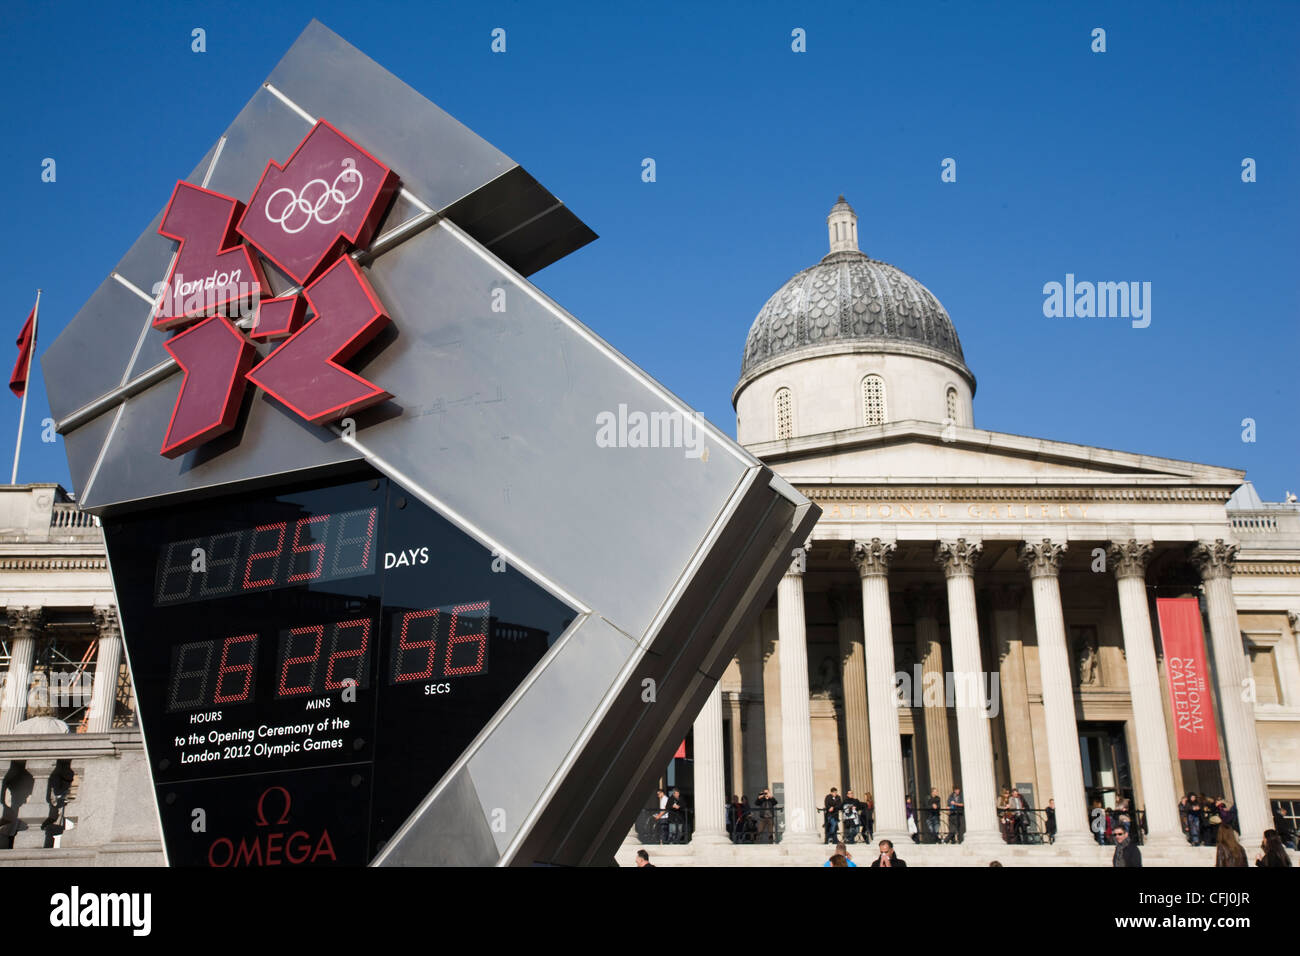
[953, 414]
[873, 400]
[784, 414]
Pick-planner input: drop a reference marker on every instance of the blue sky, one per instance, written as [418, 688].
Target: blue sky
[1115, 166]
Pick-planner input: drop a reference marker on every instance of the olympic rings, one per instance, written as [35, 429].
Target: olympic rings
[299, 211]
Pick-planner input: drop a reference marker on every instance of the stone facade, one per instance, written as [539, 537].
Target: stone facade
[74, 784]
[1029, 567]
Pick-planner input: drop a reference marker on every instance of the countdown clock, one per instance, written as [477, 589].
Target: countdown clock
[336, 639]
[459, 626]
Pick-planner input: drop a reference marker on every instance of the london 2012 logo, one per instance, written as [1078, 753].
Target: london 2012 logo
[303, 218]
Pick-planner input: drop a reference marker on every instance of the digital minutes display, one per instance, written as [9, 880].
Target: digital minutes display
[310, 661]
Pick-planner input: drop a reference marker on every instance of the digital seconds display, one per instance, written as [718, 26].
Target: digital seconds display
[321, 652]
[277, 554]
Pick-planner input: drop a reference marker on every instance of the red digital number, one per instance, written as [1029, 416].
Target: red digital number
[454, 639]
[403, 645]
[280, 526]
[318, 547]
[364, 624]
[307, 688]
[227, 668]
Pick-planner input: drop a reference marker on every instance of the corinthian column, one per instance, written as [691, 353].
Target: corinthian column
[710, 801]
[1015, 690]
[1244, 765]
[847, 606]
[872, 558]
[938, 751]
[108, 662]
[975, 748]
[1129, 562]
[24, 622]
[1044, 564]
[796, 726]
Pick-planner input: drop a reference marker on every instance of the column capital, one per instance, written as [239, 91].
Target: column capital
[1042, 560]
[958, 558]
[872, 557]
[106, 622]
[24, 621]
[1293, 618]
[1006, 597]
[1128, 559]
[923, 601]
[1213, 560]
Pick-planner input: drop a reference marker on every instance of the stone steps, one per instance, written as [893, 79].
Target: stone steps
[788, 854]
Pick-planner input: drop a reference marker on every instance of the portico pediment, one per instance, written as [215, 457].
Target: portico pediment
[923, 453]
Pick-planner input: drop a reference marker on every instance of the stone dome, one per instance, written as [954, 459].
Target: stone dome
[849, 302]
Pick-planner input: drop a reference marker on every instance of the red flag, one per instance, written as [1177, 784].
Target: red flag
[1189, 685]
[681, 750]
[18, 381]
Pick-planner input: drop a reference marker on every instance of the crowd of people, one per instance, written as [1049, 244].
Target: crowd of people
[1203, 819]
[752, 823]
[850, 819]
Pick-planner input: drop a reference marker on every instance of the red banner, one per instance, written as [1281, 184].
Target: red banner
[1189, 678]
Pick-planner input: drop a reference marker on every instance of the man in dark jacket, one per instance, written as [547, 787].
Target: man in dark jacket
[832, 808]
[1126, 851]
[766, 815]
[887, 859]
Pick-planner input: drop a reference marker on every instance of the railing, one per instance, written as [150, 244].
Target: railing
[664, 827]
[1254, 522]
[1028, 826]
[70, 516]
[755, 824]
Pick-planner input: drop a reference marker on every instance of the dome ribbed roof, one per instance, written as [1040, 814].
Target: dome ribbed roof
[845, 299]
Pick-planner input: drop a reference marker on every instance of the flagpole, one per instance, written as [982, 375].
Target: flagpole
[22, 415]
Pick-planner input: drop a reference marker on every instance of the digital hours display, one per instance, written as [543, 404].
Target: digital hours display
[330, 648]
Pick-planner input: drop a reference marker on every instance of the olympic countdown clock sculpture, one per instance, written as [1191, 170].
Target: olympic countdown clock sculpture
[386, 598]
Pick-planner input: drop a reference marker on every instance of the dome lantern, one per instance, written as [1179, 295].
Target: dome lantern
[842, 224]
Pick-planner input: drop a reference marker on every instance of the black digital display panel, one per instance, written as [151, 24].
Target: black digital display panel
[309, 662]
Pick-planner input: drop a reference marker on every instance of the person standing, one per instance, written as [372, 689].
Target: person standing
[1020, 818]
[643, 860]
[1193, 819]
[867, 810]
[1005, 817]
[850, 812]
[1228, 850]
[887, 858]
[1126, 851]
[956, 815]
[832, 821]
[676, 817]
[1273, 853]
[766, 815]
[1051, 821]
[934, 811]
[661, 817]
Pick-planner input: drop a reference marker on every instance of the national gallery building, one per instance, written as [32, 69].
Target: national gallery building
[974, 609]
[1023, 571]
